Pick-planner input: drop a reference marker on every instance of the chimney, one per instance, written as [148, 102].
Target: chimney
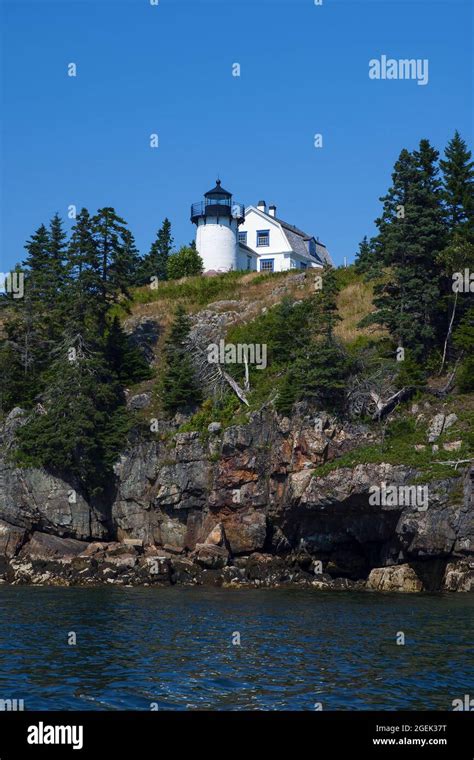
[262, 206]
[272, 210]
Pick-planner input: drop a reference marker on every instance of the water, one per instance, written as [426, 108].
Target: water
[173, 647]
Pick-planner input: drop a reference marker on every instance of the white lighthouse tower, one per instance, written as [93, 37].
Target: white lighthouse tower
[217, 219]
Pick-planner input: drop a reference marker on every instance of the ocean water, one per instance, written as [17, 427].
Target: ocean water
[176, 649]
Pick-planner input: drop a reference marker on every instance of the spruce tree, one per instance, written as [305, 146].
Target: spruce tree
[84, 303]
[57, 252]
[368, 262]
[123, 357]
[411, 235]
[155, 264]
[117, 255]
[320, 367]
[458, 183]
[81, 426]
[179, 388]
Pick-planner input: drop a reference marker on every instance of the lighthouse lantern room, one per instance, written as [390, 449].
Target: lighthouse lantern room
[217, 219]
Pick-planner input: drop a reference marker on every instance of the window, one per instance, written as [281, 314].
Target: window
[243, 237]
[312, 247]
[249, 262]
[266, 265]
[303, 265]
[263, 238]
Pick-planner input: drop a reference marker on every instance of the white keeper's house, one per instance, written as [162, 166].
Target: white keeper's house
[232, 236]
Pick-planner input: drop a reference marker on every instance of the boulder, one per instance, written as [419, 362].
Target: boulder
[210, 556]
[140, 401]
[435, 427]
[43, 546]
[396, 578]
[245, 531]
[459, 576]
[11, 539]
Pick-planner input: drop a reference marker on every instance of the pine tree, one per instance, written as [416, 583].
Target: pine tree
[179, 388]
[39, 272]
[411, 235]
[320, 367]
[82, 424]
[155, 264]
[57, 252]
[117, 255]
[85, 277]
[458, 183]
[367, 262]
[324, 303]
[124, 358]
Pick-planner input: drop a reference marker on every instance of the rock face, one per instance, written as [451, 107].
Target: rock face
[244, 505]
[34, 500]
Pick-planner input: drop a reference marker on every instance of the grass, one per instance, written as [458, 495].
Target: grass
[354, 302]
[399, 446]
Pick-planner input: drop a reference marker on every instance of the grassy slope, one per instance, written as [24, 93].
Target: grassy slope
[354, 302]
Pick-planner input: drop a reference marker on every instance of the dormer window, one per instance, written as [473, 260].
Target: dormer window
[312, 247]
[263, 238]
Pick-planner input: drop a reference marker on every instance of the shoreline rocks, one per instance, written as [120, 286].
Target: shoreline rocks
[243, 506]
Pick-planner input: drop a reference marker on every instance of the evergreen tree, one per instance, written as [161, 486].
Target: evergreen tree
[324, 303]
[320, 368]
[117, 255]
[411, 235]
[39, 270]
[155, 264]
[185, 263]
[179, 387]
[458, 183]
[57, 252]
[82, 424]
[124, 358]
[368, 262]
[85, 276]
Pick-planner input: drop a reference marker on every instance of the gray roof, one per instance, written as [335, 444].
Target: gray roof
[292, 228]
[298, 239]
[323, 253]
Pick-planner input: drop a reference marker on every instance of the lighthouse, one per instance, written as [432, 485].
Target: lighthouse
[217, 219]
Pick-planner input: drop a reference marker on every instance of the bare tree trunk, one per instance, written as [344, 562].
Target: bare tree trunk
[450, 329]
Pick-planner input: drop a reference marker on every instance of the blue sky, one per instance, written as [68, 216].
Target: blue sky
[167, 69]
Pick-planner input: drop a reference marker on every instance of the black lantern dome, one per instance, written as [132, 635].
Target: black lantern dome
[218, 204]
[218, 192]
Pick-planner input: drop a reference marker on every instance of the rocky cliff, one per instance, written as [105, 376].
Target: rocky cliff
[244, 505]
